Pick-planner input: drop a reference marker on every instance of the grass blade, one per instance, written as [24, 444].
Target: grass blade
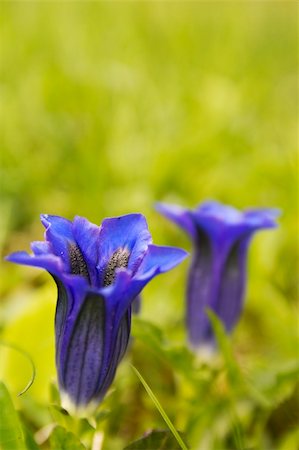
[160, 409]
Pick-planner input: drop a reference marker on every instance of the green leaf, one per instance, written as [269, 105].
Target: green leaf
[64, 440]
[158, 440]
[11, 434]
[29, 439]
[161, 410]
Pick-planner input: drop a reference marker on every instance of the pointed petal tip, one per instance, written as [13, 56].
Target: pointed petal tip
[166, 208]
[52, 219]
[178, 254]
[183, 217]
[16, 257]
[273, 214]
[159, 205]
[44, 218]
[49, 262]
[160, 259]
[263, 217]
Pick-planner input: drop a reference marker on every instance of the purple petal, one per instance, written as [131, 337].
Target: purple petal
[220, 222]
[123, 335]
[117, 344]
[81, 368]
[63, 306]
[159, 259]
[261, 217]
[180, 216]
[59, 233]
[202, 287]
[50, 263]
[136, 304]
[128, 232]
[120, 295]
[41, 248]
[87, 237]
[219, 212]
[225, 224]
[232, 285]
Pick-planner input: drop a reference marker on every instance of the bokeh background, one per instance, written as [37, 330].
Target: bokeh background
[109, 107]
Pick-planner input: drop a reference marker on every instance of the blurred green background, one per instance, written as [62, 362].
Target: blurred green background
[109, 107]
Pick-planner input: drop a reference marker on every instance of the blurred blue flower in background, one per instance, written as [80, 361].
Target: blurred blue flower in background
[99, 271]
[217, 275]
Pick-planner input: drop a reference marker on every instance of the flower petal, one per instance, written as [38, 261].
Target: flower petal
[126, 288]
[159, 259]
[261, 217]
[87, 236]
[63, 306]
[41, 248]
[219, 212]
[120, 294]
[51, 263]
[222, 223]
[59, 233]
[81, 368]
[125, 232]
[179, 215]
[203, 279]
[118, 345]
[232, 285]
[225, 224]
[136, 304]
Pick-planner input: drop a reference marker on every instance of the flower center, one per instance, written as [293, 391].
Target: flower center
[120, 258]
[77, 262]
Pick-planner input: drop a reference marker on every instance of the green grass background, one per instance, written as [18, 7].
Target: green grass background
[108, 107]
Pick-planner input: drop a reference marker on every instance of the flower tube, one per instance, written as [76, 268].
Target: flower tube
[217, 276]
[98, 271]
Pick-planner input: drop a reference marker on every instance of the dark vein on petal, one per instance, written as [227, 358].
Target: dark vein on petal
[88, 327]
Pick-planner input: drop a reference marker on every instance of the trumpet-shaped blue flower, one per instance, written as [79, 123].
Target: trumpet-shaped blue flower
[217, 275]
[98, 271]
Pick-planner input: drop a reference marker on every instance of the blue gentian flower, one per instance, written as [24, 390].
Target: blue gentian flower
[99, 271]
[217, 275]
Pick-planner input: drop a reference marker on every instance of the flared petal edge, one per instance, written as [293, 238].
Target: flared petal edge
[51, 263]
[159, 259]
[179, 215]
